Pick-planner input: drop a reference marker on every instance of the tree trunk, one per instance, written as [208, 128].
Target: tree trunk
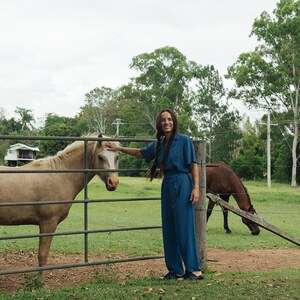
[294, 154]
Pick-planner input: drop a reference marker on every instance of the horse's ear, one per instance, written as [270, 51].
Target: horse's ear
[100, 142]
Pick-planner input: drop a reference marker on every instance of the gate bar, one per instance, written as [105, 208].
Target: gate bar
[84, 264]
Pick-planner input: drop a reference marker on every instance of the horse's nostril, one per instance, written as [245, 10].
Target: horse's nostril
[112, 182]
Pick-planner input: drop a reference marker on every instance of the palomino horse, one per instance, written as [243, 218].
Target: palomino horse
[221, 180]
[39, 187]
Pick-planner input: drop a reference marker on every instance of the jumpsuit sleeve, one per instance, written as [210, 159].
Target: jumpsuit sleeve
[148, 152]
[190, 155]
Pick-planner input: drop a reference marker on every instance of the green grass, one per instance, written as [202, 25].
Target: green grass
[277, 284]
[279, 206]
[104, 216]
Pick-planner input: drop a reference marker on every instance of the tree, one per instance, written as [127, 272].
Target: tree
[249, 164]
[13, 127]
[26, 118]
[134, 122]
[3, 130]
[162, 82]
[281, 139]
[226, 135]
[95, 110]
[58, 126]
[270, 75]
[211, 111]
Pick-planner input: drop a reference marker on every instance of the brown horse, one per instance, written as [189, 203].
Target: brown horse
[221, 180]
[62, 186]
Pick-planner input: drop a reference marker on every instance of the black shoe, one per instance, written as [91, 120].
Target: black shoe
[173, 276]
[191, 276]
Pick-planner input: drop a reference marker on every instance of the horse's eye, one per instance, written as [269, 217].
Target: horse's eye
[100, 157]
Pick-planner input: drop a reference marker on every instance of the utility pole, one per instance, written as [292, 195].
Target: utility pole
[117, 122]
[269, 149]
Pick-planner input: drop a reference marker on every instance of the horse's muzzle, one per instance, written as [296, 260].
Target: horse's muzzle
[111, 188]
[112, 183]
[255, 232]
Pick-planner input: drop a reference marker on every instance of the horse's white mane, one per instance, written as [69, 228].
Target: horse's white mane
[70, 148]
[53, 161]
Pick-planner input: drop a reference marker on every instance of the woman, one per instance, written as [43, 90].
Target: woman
[174, 154]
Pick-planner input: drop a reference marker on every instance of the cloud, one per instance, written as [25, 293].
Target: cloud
[53, 52]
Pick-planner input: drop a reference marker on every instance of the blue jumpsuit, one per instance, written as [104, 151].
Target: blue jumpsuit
[178, 214]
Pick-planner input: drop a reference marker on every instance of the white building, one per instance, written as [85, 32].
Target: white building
[20, 153]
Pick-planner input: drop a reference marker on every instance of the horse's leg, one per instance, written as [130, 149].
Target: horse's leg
[225, 215]
[210, 208]
[48, 226]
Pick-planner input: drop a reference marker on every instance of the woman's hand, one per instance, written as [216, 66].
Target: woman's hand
[130, 151]
[113, 146]
[194, 195]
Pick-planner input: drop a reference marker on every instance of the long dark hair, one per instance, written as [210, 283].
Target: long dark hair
[160, 137]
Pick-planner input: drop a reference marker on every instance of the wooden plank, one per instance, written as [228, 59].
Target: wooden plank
[254, 218]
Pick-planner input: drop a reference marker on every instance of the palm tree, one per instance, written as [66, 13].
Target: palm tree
[26, 118]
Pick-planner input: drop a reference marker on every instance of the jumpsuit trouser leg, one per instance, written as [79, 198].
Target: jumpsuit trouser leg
[178, 224]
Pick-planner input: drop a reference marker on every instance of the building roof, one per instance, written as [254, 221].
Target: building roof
[20, 146]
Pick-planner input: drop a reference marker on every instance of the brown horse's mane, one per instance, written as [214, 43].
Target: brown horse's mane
[246, 192]
[245, 189]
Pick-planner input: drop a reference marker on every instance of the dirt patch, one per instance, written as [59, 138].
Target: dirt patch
[219, 260]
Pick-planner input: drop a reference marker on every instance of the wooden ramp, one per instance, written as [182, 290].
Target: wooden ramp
[254, 218]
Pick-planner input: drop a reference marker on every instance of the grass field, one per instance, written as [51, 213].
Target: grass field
[279, 205]
[226, 286]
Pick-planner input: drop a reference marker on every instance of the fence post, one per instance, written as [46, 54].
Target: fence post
[86, 218]
[200, 207]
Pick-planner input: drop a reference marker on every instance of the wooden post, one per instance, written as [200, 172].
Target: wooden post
[200, 207]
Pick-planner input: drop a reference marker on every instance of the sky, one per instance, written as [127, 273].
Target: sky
[53, 52]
